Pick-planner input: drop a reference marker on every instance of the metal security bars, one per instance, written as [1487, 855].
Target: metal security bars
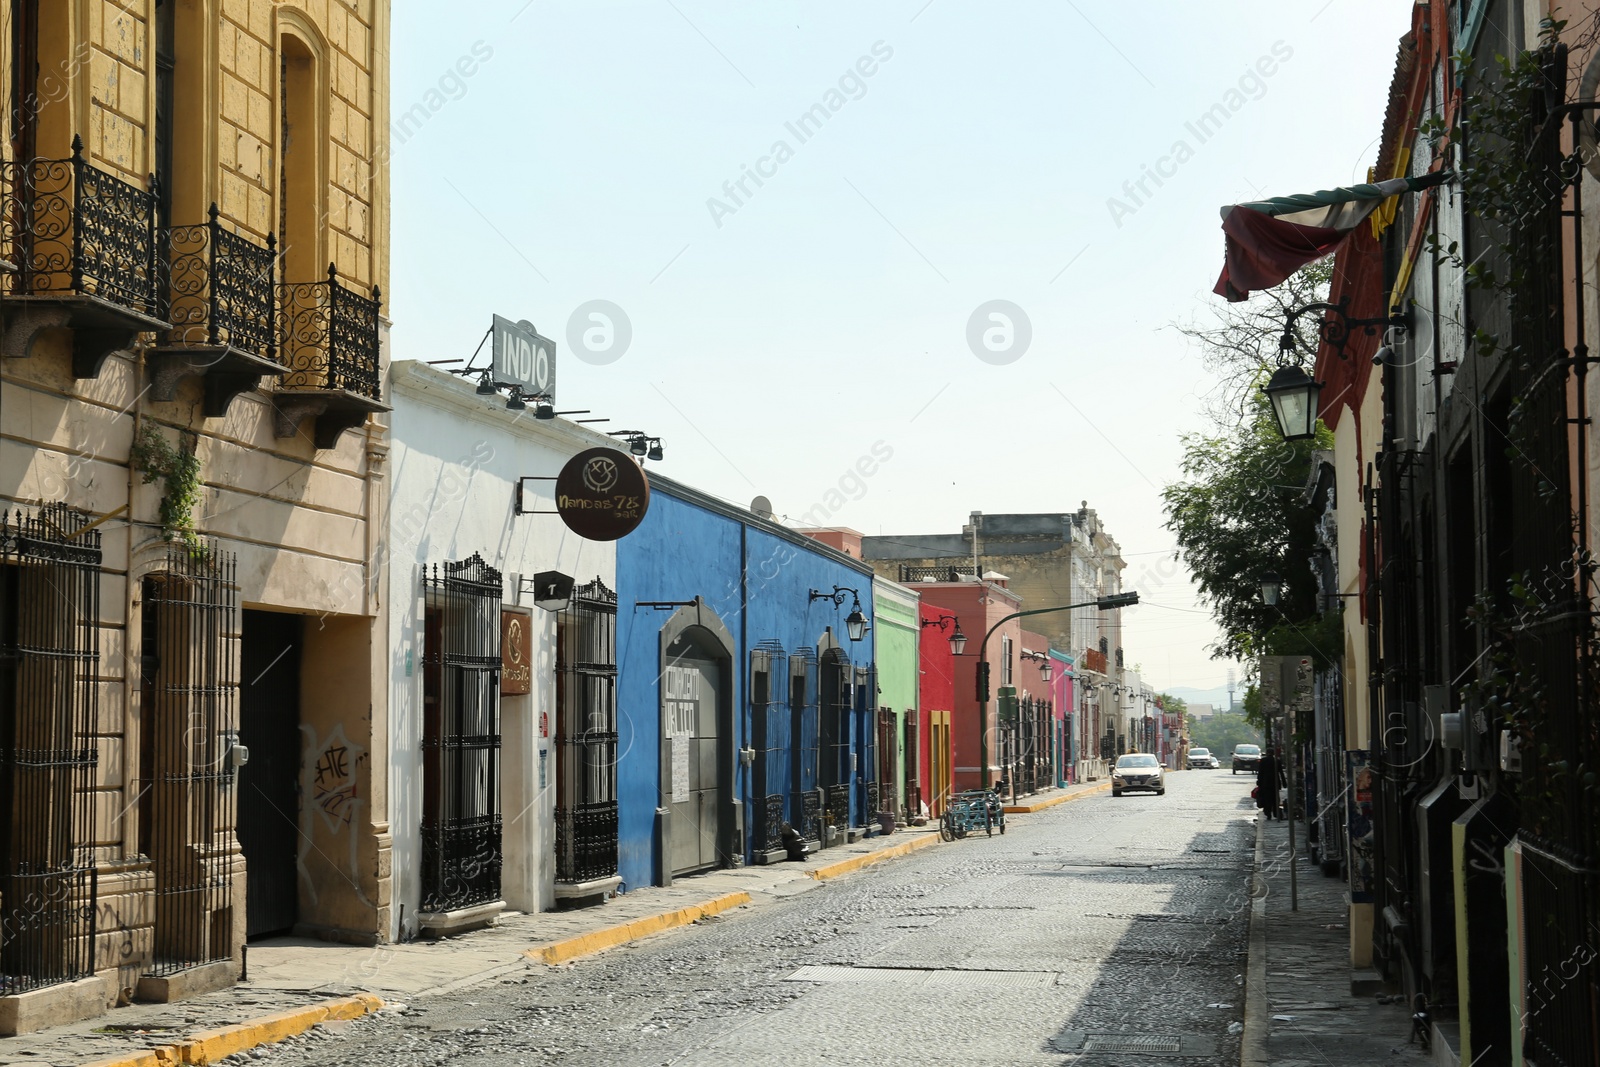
[805, 809]
[461, 822]
[770, 730]
[221, 286]
[187, 799]
[49, 664]
[70, 227]
[328, 336]
[586, 736]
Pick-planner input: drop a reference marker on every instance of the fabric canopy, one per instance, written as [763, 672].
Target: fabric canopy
[1268, 240]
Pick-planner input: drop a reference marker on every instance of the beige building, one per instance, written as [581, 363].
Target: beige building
[193, 229]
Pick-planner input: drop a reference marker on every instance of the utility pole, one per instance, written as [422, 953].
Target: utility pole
[1105, 603]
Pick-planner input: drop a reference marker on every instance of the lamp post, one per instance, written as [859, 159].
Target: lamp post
[855, 623]
[1105, 603]
[958, 640]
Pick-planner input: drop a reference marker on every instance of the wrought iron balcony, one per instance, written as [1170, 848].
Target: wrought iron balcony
[328, 341]
[910, 574]
[81, 251]
[224, 313]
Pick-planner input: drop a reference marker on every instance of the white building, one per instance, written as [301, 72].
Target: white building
[474, 771]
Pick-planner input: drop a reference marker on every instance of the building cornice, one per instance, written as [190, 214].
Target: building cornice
[451, 392]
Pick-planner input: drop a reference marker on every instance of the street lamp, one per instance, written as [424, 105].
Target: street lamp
[1294, 396]
[1271, 588]
[958, 640]
[855, 623]
[1105, 603]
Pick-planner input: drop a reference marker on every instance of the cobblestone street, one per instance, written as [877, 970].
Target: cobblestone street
[1107, 916]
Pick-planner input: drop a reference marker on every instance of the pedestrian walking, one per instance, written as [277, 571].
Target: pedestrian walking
[1268, 780]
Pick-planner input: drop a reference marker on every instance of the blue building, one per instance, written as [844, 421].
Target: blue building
[743, 703]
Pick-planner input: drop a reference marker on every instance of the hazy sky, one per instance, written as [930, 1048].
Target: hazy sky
[805, 214]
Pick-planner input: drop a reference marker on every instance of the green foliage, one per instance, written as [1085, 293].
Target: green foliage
[179, 472]
[1221, 732]
[1238, 514]
[1173, 705]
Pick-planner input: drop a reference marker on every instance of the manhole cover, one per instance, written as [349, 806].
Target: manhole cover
[1132, 1043]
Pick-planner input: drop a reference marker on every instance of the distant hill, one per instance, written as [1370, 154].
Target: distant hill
[1217, 697]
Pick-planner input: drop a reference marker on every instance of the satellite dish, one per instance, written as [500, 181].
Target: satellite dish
[762, 507]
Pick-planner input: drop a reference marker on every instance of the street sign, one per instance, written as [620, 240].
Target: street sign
[602, 494]
[522, 358]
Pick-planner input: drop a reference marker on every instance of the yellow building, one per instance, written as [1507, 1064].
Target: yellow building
[193, 248]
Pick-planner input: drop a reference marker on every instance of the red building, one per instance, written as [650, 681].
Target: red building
[978, 606]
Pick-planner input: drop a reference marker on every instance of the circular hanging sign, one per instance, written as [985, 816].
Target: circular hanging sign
[602, 494]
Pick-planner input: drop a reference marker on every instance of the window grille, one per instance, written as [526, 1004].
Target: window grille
[586, 736]
[187, 800]
[461, 821]
[835, 735]
[805, 809]
[49, 685]
[770, 729]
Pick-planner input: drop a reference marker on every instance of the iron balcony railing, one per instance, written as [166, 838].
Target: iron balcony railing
[909, 573]
[70, 228]
[221, 289]
[328, 336]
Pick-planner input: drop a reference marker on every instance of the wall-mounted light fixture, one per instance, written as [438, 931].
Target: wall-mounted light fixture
[1046, 668]
[958, 640]
[640, 443]
[855, 623]
[1271, 588]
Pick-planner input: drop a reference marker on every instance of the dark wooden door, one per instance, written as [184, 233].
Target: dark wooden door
[269, 785]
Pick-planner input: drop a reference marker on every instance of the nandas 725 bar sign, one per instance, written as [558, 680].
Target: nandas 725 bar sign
[602, 494]
[523, 358]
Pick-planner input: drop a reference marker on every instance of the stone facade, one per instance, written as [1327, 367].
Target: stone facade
[275, 112]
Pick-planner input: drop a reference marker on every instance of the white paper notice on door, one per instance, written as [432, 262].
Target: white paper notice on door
[680, 769]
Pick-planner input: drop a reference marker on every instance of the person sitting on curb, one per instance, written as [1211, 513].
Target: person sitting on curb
[794, 843]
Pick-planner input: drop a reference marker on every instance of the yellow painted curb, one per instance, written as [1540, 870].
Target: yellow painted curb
[1040, 805]
[212, 1045]
[588, 944]
[855, 863]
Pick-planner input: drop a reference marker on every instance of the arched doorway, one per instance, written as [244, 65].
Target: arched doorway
[698, 768]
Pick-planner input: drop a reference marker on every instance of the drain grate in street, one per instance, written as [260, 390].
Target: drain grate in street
[918, 976]
[1132, 1043]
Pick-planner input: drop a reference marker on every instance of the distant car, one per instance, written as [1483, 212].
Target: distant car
[1201, 759]
[1137, 770]
[1246, 758]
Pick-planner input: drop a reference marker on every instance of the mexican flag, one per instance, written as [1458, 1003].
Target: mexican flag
[1271, 239]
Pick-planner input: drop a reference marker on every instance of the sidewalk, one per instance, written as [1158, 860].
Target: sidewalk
[1299, 1011]
[294, 984]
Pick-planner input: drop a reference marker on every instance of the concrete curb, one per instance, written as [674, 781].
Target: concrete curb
[866, 859]
[1253, 1047]
[598, 940]
[209, 1046]
[1040, 805]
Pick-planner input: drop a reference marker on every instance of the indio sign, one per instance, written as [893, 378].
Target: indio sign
[602, 494]
[522, 358]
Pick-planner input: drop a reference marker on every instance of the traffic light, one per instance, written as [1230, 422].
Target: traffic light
[983, 681]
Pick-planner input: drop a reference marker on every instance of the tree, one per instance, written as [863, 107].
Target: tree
[1240, 345]
[1238, 515]
[1222, 732]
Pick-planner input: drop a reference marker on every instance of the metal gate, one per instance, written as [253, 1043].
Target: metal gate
[586, 736]
[692, 734]
[49, 657]
[187, 796]
[888, 763]
[769, 729]
[834, 695]
[461, 823]
[805, 810]
[913, 766]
